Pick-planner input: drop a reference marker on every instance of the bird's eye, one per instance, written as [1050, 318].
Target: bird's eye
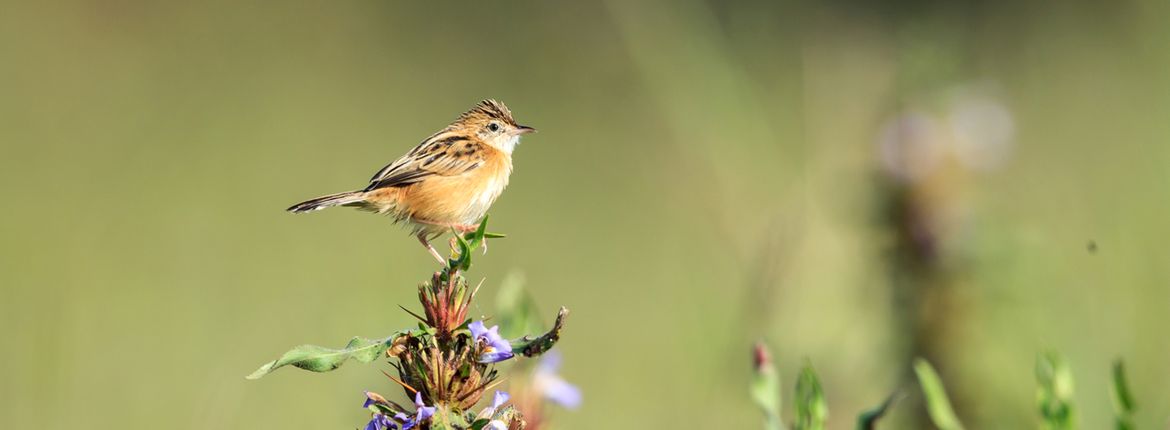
[494, 127]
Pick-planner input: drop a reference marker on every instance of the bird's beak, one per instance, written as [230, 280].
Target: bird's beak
[523, 129]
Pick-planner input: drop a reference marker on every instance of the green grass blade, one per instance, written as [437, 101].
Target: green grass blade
[868, 419]
[1123, 403]
[937, 403]
[811, 408]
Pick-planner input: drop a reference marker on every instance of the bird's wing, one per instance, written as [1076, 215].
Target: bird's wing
[439, 155]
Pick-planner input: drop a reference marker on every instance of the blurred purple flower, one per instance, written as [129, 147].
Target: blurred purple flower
[977, 130]
[496, 348]
[495, 425]
[550, 385]
[984, 129]
[912, 145]
[497, 401]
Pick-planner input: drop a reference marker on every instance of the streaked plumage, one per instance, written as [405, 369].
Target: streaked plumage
[447, 181]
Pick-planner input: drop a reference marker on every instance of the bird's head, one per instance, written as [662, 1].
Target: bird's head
[492, 122]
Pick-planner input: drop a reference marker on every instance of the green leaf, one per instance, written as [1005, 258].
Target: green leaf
[320, 359]
[477, 236]
[463, 262]
[811, 408]
[1054, 392]
[468, 242]
[937, 403]
[765, 389]
[1123, 403]
[868, 419]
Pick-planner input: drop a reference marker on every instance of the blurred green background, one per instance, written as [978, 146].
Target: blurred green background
[816, 174]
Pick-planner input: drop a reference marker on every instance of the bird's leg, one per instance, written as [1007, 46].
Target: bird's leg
[459, 229]
[422, 238]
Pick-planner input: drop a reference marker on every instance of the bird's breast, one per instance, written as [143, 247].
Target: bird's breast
[462, 199]
[484, 193]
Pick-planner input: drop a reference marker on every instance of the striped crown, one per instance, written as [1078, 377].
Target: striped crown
[488, 110]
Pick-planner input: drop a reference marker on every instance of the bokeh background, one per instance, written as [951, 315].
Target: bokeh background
[856, 183]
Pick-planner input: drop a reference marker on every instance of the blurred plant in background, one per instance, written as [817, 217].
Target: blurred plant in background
[927, 157]
[534, 387]
[1054, 396]
[1123, 404]
[1054, 393]
[765, 387]
[447, 364]
[927, 154]
[716, 165]
[941, 129]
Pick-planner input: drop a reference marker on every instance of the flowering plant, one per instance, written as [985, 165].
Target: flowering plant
[445, 365]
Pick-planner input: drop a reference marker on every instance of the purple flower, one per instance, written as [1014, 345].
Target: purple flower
[498, 400]
[495, 425]
[381, 422]
[496, 348]
[422, 413]
[551, 385]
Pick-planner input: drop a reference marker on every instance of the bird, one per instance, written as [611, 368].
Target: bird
[447, 182]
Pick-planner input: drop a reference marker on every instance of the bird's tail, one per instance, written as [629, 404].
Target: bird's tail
[348, 198]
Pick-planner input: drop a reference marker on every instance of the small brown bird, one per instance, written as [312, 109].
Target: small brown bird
[446, 182]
